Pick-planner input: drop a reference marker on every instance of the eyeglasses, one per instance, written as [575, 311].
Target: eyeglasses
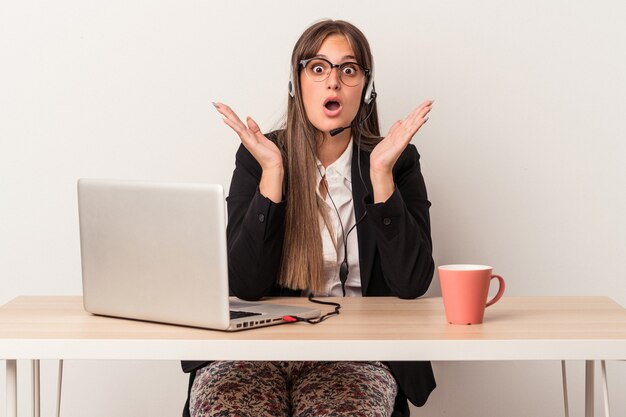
[319, 69]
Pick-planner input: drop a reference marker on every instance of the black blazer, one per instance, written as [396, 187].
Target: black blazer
[395, 248]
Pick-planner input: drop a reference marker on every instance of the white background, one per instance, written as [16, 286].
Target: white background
[522, 154]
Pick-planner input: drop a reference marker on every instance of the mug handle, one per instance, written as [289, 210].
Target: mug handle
[500, 290]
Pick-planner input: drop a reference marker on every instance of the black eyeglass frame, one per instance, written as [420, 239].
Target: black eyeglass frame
[366, 71]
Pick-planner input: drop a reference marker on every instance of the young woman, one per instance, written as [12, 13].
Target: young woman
[324, 206]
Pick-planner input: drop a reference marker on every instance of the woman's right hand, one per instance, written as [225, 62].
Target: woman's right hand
[264, 151]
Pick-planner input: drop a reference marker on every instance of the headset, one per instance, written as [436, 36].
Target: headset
[368, 97]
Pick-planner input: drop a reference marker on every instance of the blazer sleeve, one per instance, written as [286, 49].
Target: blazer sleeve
[254, 233]
[402, 229]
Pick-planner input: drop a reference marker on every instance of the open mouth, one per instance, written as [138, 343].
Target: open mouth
[332, 105]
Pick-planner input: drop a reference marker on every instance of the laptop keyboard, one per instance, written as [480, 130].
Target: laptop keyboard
[239, 314]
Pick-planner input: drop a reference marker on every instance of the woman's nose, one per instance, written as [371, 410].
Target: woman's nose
[333, 81]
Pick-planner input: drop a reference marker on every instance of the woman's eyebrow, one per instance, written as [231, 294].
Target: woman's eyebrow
[342, 58]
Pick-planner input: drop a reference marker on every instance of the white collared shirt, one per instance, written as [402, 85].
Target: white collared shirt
[339, 179]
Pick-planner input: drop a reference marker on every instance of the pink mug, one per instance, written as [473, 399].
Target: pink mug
[464, 289]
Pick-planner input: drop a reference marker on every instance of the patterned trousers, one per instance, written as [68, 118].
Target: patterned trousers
[298, 389]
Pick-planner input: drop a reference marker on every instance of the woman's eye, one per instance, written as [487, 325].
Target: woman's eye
[318, 69]
[349, 71]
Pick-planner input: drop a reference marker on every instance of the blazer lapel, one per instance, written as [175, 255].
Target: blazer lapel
[365, 233]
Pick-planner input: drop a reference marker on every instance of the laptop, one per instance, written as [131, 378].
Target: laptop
[157, 252]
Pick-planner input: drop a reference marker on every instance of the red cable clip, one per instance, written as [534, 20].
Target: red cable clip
[290, 319]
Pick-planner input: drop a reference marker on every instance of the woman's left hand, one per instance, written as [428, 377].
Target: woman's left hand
[387, 151]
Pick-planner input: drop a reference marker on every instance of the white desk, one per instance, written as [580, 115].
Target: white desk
[516, 328]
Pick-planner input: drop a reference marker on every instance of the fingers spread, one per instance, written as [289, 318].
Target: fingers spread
[232, 124]
[416, 118]
[423, 109]
[229, 113]
[426, 109]
[232, 120]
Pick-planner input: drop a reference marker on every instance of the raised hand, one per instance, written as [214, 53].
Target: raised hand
[388, 150]
[264, 151]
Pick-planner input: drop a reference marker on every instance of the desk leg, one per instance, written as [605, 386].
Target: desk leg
[565, 399]
[589, 388]
[36, 387]
[605, 389]
[59, 386]
[11, 388]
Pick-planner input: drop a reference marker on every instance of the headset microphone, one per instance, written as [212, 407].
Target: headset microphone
[338, 130]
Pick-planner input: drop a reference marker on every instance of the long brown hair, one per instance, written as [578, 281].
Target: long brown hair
[302, 258]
